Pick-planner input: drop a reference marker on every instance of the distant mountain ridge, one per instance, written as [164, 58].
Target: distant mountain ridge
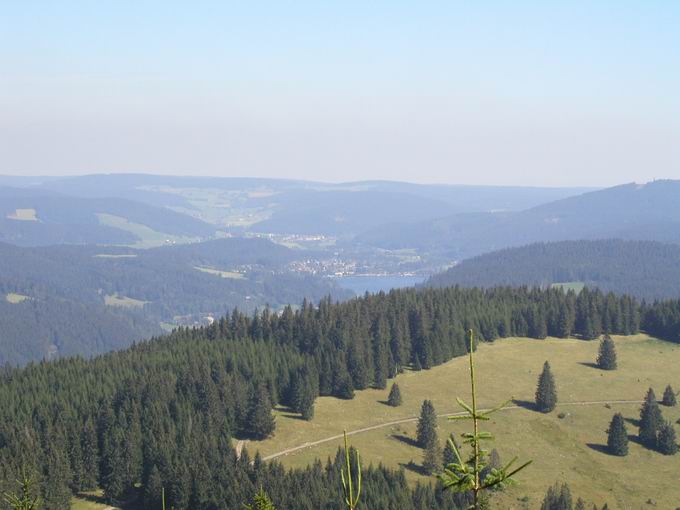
[296, 207]
[631, 211]
[645, 269]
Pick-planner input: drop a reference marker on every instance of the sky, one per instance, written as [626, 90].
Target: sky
[495, 92]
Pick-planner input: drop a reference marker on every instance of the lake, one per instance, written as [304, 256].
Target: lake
[375, 283]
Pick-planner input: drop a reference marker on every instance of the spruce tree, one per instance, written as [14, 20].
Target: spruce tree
[448, 454]
[617, 440]
[153, 489]
[546, 393]
[666, 440]
[558, 497]
[669, 397]
[427, 425]
[260, 421]
[26, 498]
[606, 358]
[304, 393]
[650, 420]
[261, 501]
[394, 399]
[432, 457]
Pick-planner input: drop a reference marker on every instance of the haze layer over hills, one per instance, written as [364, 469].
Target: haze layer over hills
[631, 211]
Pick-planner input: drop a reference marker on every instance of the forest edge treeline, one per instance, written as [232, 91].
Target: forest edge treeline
[163, 412]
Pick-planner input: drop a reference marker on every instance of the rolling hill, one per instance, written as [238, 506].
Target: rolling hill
[632, 211]
[298, 207]
[645, 269]
[35, 217]
[67, 300]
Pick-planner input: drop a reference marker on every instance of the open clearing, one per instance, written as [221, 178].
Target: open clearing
[148, 238]
[223, 274]
[15, 299]
[567, 286]
[116, 256]
[124, 301]
[93, 500]
[567, 448]
[23, 215]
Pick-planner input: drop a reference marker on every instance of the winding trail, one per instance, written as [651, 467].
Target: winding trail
[312, 444]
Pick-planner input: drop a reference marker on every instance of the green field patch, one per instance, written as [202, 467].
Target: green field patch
[567, 286]
[115, 256]
[123, 301]
[15, 298]
[23, 215]
[91, 500]
[233, 275]
[562, 449]
[147, 237]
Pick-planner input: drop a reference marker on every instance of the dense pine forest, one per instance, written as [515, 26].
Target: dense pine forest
[163, 413]
[644, 269]
[87, 300]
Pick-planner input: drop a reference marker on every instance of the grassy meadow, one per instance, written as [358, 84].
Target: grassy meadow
[564, 445]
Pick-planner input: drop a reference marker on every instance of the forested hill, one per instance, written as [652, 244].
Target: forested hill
[69, 300]
[37, 217]
[644, 269]
[648, 211]
[162, 413]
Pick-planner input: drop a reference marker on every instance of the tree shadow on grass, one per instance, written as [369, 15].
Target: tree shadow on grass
[416, 468]
[287, 412]
[601, 448]
[129, 501]
[405, 439]
[633, 421]
[525, 404]
[633, 438]
[92, 498]
[589, 364]
[384, 402]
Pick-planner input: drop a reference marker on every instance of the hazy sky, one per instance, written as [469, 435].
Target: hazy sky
[511, 92]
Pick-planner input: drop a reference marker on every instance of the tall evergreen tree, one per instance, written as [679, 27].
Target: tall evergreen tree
[617, 439]
[650, 420]
[432, 457]
[427, 425]
[449, 454]
[394, 398]
[90, 458]
[153, 489]
[304, 392]
[260, 422]
[546, 392]
[25, 498]
[558, 497]
[669, 397]
[666, 440]
[606, 358]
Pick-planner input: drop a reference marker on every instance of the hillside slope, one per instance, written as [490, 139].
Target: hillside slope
[645, 269]
[302, 207]
[67, 300]
[33, 217]
[644, 212]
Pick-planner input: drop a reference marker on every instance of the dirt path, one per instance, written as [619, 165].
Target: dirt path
[415, 418]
